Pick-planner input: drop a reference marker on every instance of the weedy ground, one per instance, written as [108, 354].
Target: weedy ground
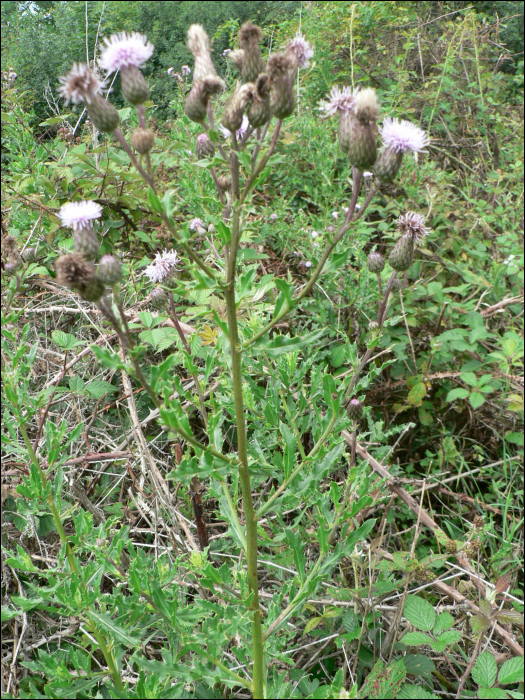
[445, 416]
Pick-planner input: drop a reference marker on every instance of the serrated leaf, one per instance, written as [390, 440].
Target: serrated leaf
[516, 438]
[413, 639]
[195, 344]
[445, 639]
[485, 670]
[312, 624]
[493, 694]
[476, 399]
[98, 387]
[457, 394]
[350, 621]
[511, 671]
[76, 384]
[118, 633]
[469, 378]
[509, 346]
[417, 394]
[443, 622]
[147, 319]
[418, 664]
[419, 613]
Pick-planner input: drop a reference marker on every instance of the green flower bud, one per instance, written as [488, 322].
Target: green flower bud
[142, 140]
[102, 113]
[375, 262]
[402, 254]
[86, 243]
[355, 409]
[109, 269]
[134, 86]
[387, 164]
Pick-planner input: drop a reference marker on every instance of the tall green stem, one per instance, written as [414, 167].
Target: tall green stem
[249, 512]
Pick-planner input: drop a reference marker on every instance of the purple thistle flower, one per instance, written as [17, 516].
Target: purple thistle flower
[402, 136]
[274, 216]
[301, 49]
[185, 71]
[81, 84]
[308, 264]
[162, 266]
[412, 224]
[195, 224]
[79, 215]
[240, 131]
[123, 50]
[340, 100]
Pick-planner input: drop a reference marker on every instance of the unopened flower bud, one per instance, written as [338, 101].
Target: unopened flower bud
[397, 285]
[402, 254]
[158, 298]
[451, 547]
[75, 272]
[92, 290]
[355, 409]
[142, 140]
[375, 262]
[373, 326]
[211, 228]
[86, 243]
[236, 106]
[366, 106]
[260, 111]
[387, 164]
[109, 269]
[361, 142]
[103, 115]
[204, 146]
[224, 182]
[29, 255]
[478, 521]
[281, 68]
[252, 64]
[237, 58]
[134, 86]
[198, 97]
[10, 268]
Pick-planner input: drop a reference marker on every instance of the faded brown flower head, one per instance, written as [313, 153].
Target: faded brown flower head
[252, 64]
[260, 110]
[75, 272]
[199, 45]
[236, 106]
[282, 68]
[198, 97]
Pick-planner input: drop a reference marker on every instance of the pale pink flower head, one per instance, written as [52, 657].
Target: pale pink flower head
[195, 223]
[413, 225]
[79, 215]
[185, 70]
[301, 49]
[402, 136]
[341, 100]
[124, 50]
[162, 266]
[240, 131]
[81, 84]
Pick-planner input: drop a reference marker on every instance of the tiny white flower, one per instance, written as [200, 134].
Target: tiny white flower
[335, 215]
[314, 234]
[367, 173]
[308, 264]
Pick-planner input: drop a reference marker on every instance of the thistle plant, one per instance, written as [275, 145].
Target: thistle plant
[250, 118]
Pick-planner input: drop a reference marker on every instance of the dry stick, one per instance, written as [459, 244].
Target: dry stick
[460, 599]
[188, 350]
[429, 522]
[469, 666]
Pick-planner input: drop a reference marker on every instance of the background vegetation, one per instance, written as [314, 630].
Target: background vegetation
[447, 408]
